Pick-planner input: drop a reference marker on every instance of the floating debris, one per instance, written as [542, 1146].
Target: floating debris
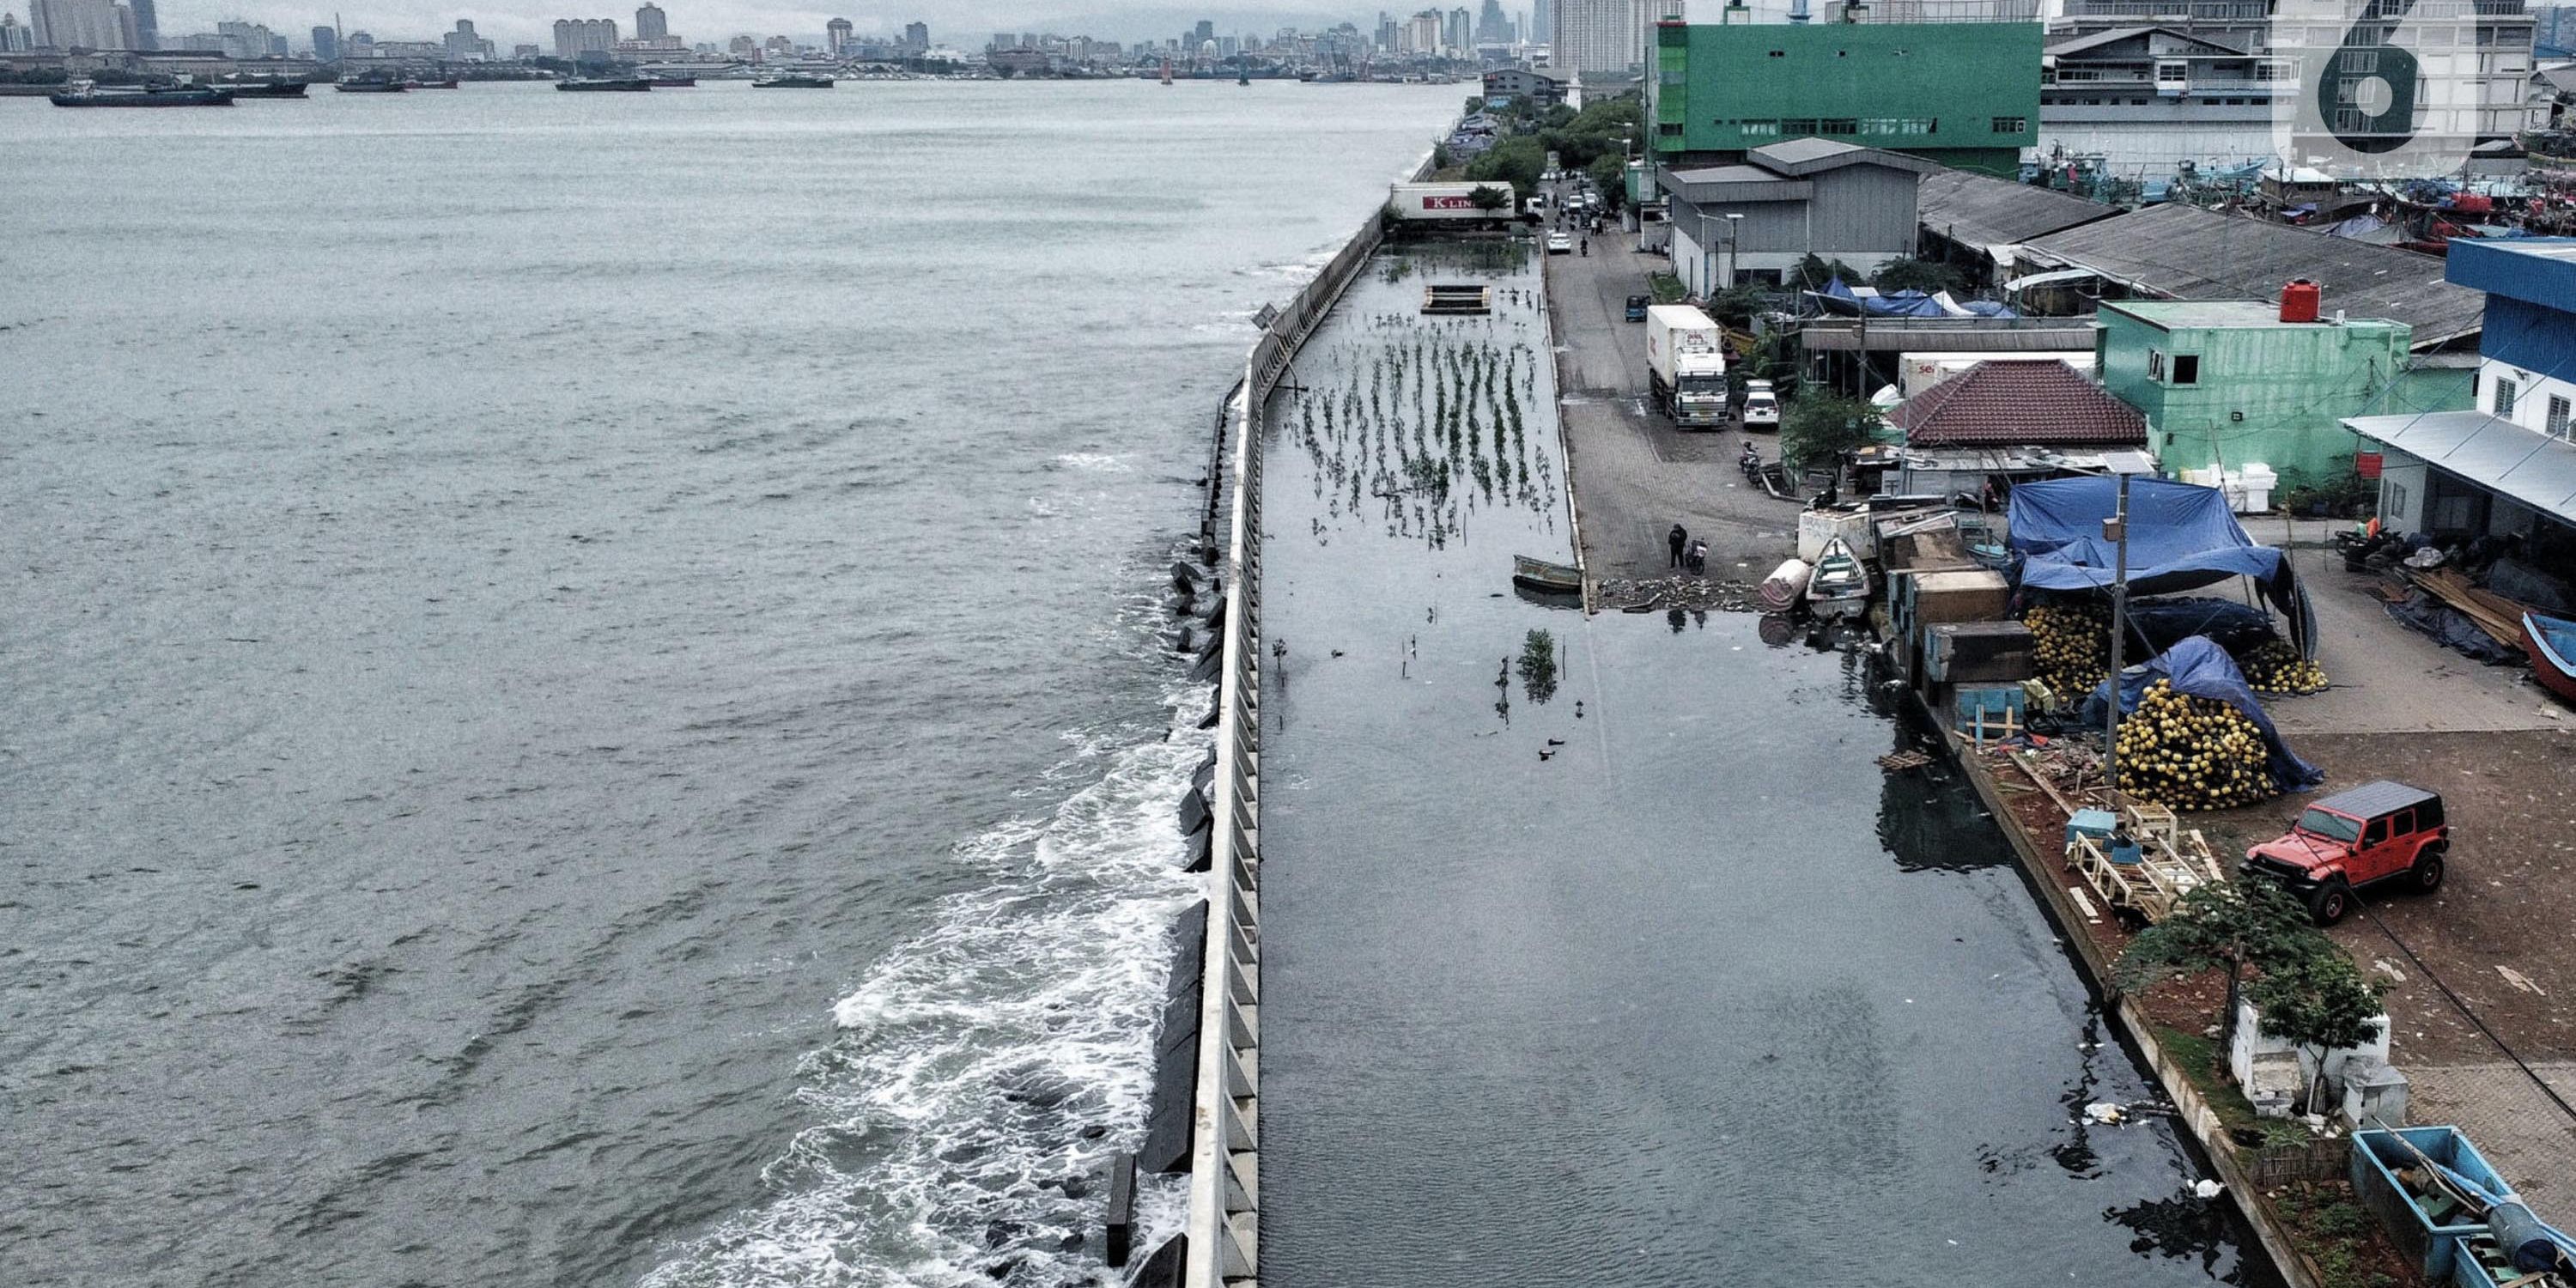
[1697, 594]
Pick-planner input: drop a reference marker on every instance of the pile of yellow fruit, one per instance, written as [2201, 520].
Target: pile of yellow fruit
[2072, 643]
[2275, 667]
[2188, 753]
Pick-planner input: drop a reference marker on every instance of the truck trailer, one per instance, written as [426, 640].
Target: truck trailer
[1686, 362]
[1447, 201]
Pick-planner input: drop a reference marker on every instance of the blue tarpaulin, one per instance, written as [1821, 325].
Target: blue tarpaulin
[2181, 538]
[2200, 668]
[1839, 296]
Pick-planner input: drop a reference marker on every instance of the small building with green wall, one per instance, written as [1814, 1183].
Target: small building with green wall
[2227, 383]
[1964, 94]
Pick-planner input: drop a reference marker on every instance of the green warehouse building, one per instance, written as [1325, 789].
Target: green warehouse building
[1964, 94]
[2228, 383]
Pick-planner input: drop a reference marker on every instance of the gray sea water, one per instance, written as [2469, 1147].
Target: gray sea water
[579, 698]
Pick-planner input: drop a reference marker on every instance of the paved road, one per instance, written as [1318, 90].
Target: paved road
[1635, 475]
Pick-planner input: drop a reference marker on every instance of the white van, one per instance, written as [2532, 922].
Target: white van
[1761, 405]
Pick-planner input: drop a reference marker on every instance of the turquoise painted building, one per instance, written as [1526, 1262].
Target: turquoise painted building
[2226, 383]
[1964, 94]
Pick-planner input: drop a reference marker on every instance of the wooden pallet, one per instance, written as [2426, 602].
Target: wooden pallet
[2498, 616]
[1904, 760]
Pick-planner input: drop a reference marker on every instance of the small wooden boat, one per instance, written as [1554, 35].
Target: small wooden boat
[1840, 587]
[1545, 577]
[2551, 642]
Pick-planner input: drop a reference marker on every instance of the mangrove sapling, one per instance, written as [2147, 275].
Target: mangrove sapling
[1538, 666]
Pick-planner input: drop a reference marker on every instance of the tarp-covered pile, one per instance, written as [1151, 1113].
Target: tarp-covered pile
[2199, 668]
[1842, 297]
[2181, 538]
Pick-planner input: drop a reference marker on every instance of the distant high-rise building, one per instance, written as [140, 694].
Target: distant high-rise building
[326, 45]
[574, 36]
[463, 46]
[1594, 36]
[836, 35]
[742, 47]
[147, 24]
[1542, 23]
[1492, 28]
[651, 23]
[1028, 40]
[75, 24]
[916, 36]
[1459, 32]
[244, 39]
[15, 38]
[1004, 40]
[360, 44]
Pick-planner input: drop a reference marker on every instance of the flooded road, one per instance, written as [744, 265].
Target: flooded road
[1600, 951]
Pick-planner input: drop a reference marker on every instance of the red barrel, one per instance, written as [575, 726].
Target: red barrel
[2299, 301]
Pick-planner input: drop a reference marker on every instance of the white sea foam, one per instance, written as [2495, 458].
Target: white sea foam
[986, 1068]
[1097, 462]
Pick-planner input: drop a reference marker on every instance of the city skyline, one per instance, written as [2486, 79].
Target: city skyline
[952, 23]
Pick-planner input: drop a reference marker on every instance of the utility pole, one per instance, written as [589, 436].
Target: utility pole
[2116, 531]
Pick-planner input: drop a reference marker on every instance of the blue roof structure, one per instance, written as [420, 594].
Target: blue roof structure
[2531, 299]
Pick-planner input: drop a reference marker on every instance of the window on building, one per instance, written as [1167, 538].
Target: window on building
[1845, 125]
[2503, 403]
[1800, 126]
[2557, 426]
[1763, 127]
[2155, 371]
[2392, 504]
[2016, 124]
[2186, 371]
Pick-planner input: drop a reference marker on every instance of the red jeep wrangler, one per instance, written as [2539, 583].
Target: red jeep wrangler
[2376, 832]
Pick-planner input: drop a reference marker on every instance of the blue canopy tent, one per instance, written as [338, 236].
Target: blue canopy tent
[2181, 537]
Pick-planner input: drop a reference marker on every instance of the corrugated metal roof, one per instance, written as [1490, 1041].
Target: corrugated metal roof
[1806, 156]
[2535, 469]
[2039, 403]
[2188, 253]
[1980, 211]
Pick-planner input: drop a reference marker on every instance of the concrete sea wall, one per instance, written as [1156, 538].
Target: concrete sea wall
[1220, 1244]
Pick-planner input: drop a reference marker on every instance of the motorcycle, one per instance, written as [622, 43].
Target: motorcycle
[1750, 462]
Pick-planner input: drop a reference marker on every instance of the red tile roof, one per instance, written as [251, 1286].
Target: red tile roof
[2041, 404]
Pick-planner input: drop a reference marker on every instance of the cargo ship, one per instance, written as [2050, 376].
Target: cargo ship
[605, 85]
[792, 82]
[85, 94]
[263, 89]
[360, 85]
[430, 84]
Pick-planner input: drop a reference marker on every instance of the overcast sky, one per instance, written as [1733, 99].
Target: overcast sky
[964, 24]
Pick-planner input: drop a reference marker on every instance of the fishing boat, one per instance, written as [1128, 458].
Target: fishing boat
[1545, 577]
[2551, 642]
[1167, 71]
[1840, 586]
[84, 94]
[364, 85]
[791, 81]
[604, 85]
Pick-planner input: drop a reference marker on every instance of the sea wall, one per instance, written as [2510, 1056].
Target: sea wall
[1220, 1244]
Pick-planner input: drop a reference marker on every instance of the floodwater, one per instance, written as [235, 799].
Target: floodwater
[1634, 969]
[579, 692]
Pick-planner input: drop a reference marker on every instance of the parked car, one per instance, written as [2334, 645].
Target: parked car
[1761, 405]
[1551, 176]
[1637, 306]
[2377, 832]
[1559, 244]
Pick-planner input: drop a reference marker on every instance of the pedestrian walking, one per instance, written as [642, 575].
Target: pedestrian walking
[1678, 539]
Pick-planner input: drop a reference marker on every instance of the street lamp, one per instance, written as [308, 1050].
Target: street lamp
[1734, 224]
[2115, 530]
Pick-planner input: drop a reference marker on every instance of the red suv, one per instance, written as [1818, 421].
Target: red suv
[2376, 832]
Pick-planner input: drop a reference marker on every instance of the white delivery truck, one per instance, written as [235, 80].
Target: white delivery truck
[1686, 362]
[1447, 201]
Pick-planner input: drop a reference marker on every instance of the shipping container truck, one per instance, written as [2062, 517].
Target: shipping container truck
[1447, 201]
[1686, 364]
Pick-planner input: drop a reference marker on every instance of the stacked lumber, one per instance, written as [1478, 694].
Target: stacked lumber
[2490, 612]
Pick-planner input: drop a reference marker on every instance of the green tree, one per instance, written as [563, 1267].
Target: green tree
[1813, 272]
[1610, 175]
[1489, 198]
[2321, 1002]
[1926, 275]
[1516, 160]
[1818, 427]
[2226, 926]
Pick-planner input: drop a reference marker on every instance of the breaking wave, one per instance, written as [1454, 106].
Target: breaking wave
[985, 1070]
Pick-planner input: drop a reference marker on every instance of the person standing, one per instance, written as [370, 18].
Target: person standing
[1678, 539]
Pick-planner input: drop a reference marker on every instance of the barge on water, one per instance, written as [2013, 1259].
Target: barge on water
[87, 95]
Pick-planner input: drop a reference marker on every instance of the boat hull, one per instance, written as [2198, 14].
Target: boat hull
[1546, 578]
[209, 98]
[2550, 642]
